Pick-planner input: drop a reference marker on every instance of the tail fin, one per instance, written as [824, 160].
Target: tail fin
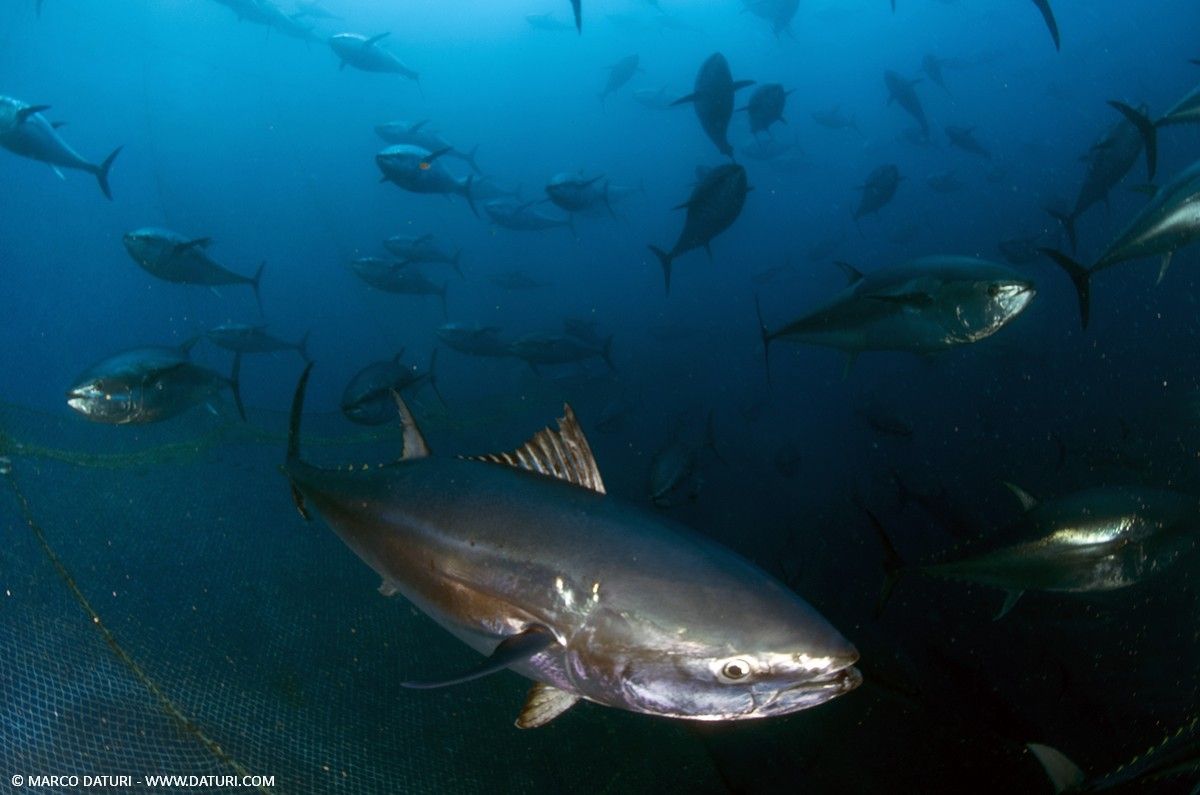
[470, 158]
[235, 385]
[442, 295]
[1064, 774]
[1080, 277]
[433, 376]
[606, 353]
[455, 262]
[302, 348]
[766, 339]
[467, 193]
[103, 169]
[254, 282]
[893, 566]
[710, 437]
[293, 445]
[665, 259]
[1068, 224]
[1147, 130]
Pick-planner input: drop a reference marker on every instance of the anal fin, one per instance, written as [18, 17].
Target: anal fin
[1010, 601]
[543, 704]
[511, 650]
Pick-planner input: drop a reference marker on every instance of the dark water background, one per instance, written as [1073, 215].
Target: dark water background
[261, 143]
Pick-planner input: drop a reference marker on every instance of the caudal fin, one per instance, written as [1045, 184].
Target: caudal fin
[1146, 129]
[665, 259]
[254, 283]
[1080, 277]
[1051, 23]
[893, 566]
[102, 172]
[235, 385]
[1068, 224]
[1064, 774]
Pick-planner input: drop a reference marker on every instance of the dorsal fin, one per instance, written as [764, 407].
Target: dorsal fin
[1027, 500]
[564, 454]
[853, 274]
[414, 442]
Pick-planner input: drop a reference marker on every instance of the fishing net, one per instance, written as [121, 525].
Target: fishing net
[163, 610]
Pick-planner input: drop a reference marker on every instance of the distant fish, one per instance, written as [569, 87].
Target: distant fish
[931, 65]
[713, 100]
[149, 385]
[655, 99]
[715, 203]
[522, 217]
[926, 305]
[265, 12]
[419, 170]
[1167, 223]
[361, 52]
[551, 349]
[900, 91]
[546, 21]
[878, 190]
[174, 258]
[675, 467]
[1096, 540]
[1185, 111]
[834, 119]
[367, 398]
[394, 277]
[243, 338]
[419, 134]
[778, 12]
[314, 9]
[473, 340]
[26, 132]
[424, 248]
[766, 107]
[964, 138]
[577, 193]
[619, 74]
[578, 12]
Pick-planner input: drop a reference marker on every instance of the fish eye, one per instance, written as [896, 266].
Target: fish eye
[993, 290]
[733, 670]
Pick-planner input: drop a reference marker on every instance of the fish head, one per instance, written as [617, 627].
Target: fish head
[144, 245]
[753, 653]
[980, 303]
[105, 398]
[404, 161]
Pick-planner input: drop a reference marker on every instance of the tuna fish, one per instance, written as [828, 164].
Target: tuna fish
[395, 277]
[901, 92]
[174, 258]
[26, 132]
[964, 138]
[524, 558]
[419, 134]
[878, 190]
[149, 385]
[361, 52]
[766, 107]
[474, 340]
[576, 193]
[424, 248]
[243, 338]
[367, 398]
[713, 100]
[551, 349]
[522, 217]
[715, 203]
[419, 170]
[619, 74]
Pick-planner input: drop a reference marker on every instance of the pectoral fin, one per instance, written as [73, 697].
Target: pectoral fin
[376, 39]
[200, 242]
[1162, 269]
[1010, 600]
[510, 651]
[543, 704]
[24, 113]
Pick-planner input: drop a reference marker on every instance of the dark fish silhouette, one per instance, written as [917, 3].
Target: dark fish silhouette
[715, 203]
[878, 190]
[713, 100]
[619, 74]
[901, 92]
[766, 107]
[26, 132]
[964, 138]
[361, 52]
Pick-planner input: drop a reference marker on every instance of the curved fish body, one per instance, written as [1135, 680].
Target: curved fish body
[1185, 111]
[778, 12]
[1090, 541]
[1167, 223]
[931, 65]
[424, 248]
[672, 477]
[243, 338]
[964, 138]
[395, 277]
[474, 340]
[174, 258]
[146, 385]
[551, 349]
[522, 217]
[361, 52]
[713, 100]
[878, 190]
[901, 92]
[367, 398]
[576, 193]
[1109, 160]
[418, 170]
[766, 107]
[619, 74]
[589, 597]
[927, 305]
[715, 203]
[25, 131]
[419, 134]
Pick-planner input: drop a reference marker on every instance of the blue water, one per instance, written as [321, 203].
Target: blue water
[259, 141]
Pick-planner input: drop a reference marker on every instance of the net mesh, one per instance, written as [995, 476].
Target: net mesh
[164, 610]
